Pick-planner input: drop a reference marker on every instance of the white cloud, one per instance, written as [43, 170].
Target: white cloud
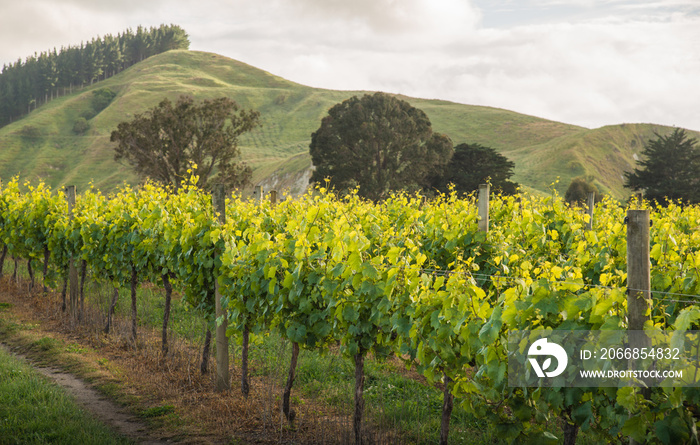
[33, 26]
[590, 62]
[391, 17]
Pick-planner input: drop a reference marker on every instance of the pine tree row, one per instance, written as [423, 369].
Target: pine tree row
[42, 77]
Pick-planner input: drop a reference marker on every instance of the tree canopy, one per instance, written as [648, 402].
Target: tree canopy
[474, 164]
[166, 141]
[670, 169]
[377, 142]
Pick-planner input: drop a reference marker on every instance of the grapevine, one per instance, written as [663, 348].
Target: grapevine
[404, 277]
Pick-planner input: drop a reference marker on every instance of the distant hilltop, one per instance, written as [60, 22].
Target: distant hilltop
[46, 145]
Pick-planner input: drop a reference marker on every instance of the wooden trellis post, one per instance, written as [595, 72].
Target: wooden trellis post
[484, 190]
[638, 283]
[638, 269]
[591, 205]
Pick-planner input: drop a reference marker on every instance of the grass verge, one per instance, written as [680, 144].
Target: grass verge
[35, 411]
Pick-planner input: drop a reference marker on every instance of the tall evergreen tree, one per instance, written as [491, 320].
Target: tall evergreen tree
[474, 164]
[670, 170]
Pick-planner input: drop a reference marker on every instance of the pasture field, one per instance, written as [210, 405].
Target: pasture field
[42, 145]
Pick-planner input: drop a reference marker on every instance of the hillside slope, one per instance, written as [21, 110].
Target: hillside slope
[42, 145]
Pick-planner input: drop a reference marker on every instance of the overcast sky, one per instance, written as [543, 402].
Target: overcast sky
[584, 62]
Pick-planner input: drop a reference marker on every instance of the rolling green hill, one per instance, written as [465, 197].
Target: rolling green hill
[43, 146]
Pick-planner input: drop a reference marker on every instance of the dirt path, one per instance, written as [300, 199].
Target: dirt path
[92, 401]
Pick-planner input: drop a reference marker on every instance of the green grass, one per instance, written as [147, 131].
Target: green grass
[391, 399]
[34, 411]
[46, 344]
[157, 411]
[42, 145]
[408, 405]
[184, 320]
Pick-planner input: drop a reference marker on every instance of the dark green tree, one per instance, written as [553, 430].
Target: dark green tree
[474, 164]
[166, 141]
[670, 169]
[80, 126]
[377, 142]
[101, 98]
[578, 190]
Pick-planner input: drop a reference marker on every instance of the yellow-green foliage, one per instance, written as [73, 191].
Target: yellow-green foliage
[406, 277]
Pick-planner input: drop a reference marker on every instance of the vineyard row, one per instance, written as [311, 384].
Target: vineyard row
[324, 270]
